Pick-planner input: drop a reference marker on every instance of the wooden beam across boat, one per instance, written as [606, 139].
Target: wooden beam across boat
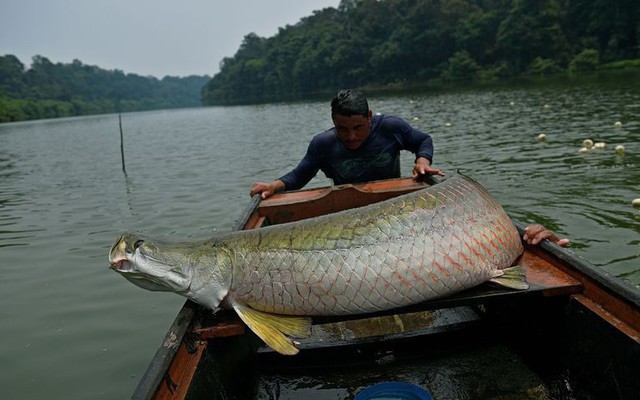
[303, 204]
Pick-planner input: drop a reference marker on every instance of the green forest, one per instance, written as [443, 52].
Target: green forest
[48, 90]
[369, 44]
[402, 44]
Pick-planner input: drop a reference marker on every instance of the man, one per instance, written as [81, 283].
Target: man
[359, 148]
[362, 147]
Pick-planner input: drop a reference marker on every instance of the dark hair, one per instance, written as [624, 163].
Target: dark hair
[350, 102]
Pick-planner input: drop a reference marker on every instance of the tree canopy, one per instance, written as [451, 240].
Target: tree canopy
[361, 43]
[378, 43]
[48, 90]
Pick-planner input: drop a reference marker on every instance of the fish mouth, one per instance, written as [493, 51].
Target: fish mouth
[118, 260]
[121, 265]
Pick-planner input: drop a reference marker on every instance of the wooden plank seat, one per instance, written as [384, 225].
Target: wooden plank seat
[450, 313]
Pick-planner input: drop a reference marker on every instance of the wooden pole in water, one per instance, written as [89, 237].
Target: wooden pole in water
[122, 144]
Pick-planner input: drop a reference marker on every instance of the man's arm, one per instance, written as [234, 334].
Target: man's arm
[295, 179]
[267, 189]
[536, 233]
[423, 167]
[424, 154]
[417, 142]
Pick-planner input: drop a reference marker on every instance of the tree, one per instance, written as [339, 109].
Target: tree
[11, 72]
[462, 67]
[532, 29]
[389, 43]
[544, 67]
[587, 60]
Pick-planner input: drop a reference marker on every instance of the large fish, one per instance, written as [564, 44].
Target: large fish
[415, 247]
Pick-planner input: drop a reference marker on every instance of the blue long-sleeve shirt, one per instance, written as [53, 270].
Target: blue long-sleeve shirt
[377, 158]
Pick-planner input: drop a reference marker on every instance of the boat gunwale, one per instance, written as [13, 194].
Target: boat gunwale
[615, 285]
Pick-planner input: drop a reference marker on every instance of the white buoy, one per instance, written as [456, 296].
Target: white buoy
[448, 124]
[584, 150]
[636, 203]
[618, 124]
[588, 143]
[599, 145]
[620, 149]
[542, 137]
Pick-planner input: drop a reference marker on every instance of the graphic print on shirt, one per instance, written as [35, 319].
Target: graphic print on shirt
[356, 166]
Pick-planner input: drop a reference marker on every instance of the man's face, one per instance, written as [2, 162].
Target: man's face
[352, 130]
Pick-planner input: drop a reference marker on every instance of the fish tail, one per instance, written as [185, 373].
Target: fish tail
[513, 278]
[275, 330]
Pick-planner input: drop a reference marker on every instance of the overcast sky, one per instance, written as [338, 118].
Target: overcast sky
[145, 37]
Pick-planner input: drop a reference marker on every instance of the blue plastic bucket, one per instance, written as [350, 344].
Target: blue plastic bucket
[393, 391]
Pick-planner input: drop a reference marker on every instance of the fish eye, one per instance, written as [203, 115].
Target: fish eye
[138, 243]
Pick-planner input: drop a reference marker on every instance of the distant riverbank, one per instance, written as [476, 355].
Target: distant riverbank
[25, 109]
[48, 90]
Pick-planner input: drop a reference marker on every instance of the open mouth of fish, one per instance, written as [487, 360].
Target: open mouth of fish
[118, 257]
[122, 265]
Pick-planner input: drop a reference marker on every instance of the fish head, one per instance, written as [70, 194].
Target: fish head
[150, 264]
[200, 270]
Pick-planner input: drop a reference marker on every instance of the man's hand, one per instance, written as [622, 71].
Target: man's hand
[536, 233]
[423, 167]
[266, 189]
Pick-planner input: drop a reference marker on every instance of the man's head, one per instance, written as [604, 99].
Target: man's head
[350, 102]
[352, 117]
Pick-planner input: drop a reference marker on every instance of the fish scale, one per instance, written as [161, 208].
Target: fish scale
[443, 239]
[415, 247]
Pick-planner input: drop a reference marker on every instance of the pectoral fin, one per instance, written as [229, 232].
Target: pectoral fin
[275, 329]
[513, 278]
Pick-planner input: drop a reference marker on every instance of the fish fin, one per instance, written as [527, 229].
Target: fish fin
[513, 278]
[275, 329]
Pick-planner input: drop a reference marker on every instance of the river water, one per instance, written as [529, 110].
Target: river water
[72, 329]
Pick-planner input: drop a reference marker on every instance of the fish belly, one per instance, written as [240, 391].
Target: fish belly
[416, 247]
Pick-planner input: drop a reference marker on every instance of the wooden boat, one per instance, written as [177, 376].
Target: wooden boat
[575, 334]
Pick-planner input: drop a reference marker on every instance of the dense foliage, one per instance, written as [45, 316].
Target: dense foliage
[48, 90]
[397, 43]
[362, 43]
